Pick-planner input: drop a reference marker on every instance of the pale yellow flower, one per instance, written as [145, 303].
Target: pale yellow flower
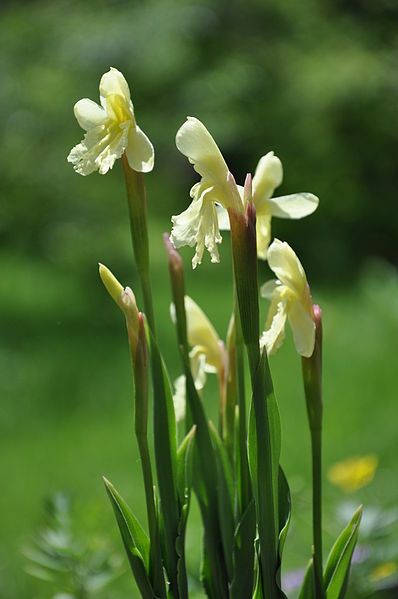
[290, 300]
[267, 178]
[354, 473]
[198, 224]
[207, 355]
[111, 130]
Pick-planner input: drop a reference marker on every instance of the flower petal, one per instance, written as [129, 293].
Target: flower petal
[88, 114]
[113, 82]
[295, 205]
[198, 226]
[287, 267]
[223, 218]
[140, 153]
[179, 398]
[195, 142]
[263, 229]
[267, 289]
[273, 337]
[98, 150]
[303, 328]
[202, 334]
[268, 176]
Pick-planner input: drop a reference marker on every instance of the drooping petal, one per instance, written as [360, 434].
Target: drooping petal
[140, 153]
[303, 328]
[202, 334]
[267, 290]
[263, 229]
[114, 83]
[295, 205]
[88, 114]
[274, 335]
[267, 178]
[198, 226]
[287, 267]
[195, 142]
[98, 150]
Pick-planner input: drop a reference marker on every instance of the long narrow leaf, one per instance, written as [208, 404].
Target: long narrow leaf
[243, 554]
[184, 483]
[284, 519]
[225, 497]
[213, 571]
[134, 539]
[339, 560]
[307, 590]
[165, 438]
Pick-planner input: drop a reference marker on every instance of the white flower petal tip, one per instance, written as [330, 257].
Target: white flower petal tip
[290, 300]
[111, 130]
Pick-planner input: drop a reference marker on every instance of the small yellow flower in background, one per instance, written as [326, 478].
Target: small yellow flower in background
[354, 473]
[198, 225]
[267, 178]
[111, 130]
[290, 300]
[383, 571]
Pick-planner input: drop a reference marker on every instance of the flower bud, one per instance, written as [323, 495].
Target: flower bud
[125, 299]
[176, 270]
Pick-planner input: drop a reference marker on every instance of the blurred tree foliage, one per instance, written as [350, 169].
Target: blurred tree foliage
[316, 81]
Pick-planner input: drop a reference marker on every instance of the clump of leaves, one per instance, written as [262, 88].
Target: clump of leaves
[76, 564]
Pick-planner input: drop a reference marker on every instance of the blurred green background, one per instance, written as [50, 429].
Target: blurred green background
[315, 81]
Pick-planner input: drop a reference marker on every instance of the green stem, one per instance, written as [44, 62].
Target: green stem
[245, 495]
[312, 378]
[137, 205]
[316, 449]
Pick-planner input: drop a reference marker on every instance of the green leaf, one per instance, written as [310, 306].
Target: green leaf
[225, 497]
[284, 513]
[243, 554]
[135, 540]
[165, 440]
[184, 483]
[307, 590]
[213, 571]
[184, 463]
[339, 560]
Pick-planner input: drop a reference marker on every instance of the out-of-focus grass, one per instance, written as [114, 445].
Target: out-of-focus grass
[66, 415]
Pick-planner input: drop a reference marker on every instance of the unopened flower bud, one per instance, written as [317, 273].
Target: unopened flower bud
[125, 299]
[176, 270]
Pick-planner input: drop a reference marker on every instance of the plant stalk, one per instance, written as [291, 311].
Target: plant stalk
[137, 205]
[312, 377]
